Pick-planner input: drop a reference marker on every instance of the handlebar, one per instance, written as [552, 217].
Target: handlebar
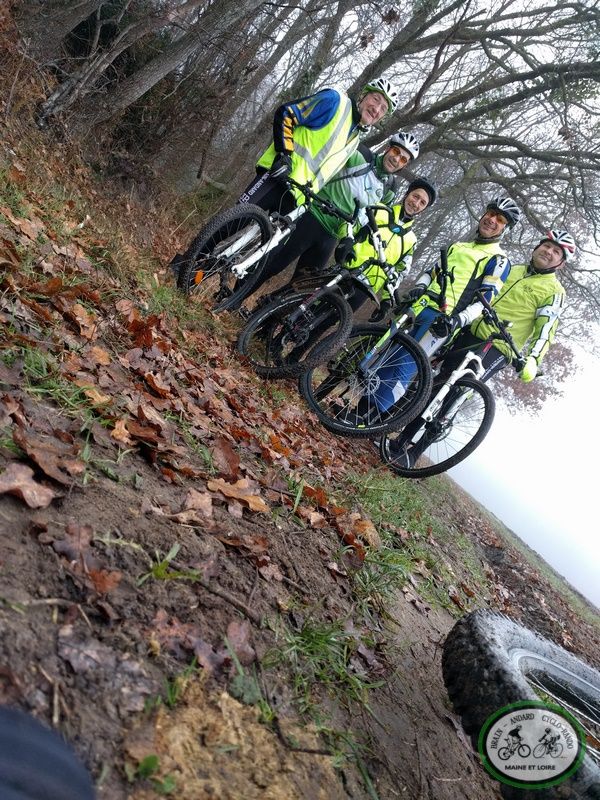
[313, 197]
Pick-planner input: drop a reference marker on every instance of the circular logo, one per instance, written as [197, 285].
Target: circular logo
[531, 744]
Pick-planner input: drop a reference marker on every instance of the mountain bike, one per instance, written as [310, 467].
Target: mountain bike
[456, 419]
[490, 661]
[343, 392]
[225, 261]
[298, 330]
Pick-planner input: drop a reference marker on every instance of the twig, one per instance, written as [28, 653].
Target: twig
[289, 581]
[252, 615]
[419, 765]
[55, 696]
[253, 589]
[12, 88]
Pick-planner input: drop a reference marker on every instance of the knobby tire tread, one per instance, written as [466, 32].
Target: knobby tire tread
[396, 422]
[481, 677]
[321, 352]
[254, 214]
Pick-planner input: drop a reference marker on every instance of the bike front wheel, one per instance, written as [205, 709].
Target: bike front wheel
[290, 335]
[459, 427]
[489, 662]
[228, 239]
[347, 400]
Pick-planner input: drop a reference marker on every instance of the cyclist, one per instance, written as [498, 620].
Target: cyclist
[515, 738]
[532, 299]
[479, 264]
[313, 138]
[399, 240]
[366, 179]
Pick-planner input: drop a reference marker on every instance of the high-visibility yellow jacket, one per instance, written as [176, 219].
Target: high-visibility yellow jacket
[533, 302]
[320, 134]
[399, 241]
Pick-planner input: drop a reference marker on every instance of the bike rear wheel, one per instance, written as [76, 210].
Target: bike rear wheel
[229, 238]
[277, 347]
[489, 661]
[434, 447]
[345, 401]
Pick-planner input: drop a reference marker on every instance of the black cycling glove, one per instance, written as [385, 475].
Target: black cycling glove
[382, 312]
[444, 326]
[344, 252]
[281, 167]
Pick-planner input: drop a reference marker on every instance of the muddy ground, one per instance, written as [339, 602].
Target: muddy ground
[168, 520]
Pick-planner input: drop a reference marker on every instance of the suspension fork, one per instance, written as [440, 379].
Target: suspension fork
[282, 230]
[470, 366]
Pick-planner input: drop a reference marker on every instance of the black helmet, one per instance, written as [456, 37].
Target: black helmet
[423, 183]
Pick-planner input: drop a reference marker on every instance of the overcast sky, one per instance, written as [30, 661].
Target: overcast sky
[539, 474]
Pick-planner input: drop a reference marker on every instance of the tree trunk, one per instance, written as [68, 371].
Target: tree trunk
[217, 20]
[45, 28]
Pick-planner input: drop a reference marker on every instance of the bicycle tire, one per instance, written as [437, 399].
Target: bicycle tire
[267, 328]
[539, 750]
[490, 661]
[202, 271]
[341, 419]
[474, 419]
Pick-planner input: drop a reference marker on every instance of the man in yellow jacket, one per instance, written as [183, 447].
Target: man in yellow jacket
[531, 299]
[313, 138]
[399, 240]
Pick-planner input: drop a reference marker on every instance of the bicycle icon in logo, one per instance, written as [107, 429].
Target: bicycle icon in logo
[549, 745]
[514, 744]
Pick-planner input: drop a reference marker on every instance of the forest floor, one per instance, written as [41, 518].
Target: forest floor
[205, 592]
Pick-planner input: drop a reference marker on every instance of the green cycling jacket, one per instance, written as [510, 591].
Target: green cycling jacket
[472, 266]
[363, 179]
[533, 302]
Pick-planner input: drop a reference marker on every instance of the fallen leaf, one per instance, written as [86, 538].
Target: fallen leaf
[120, 433]
[239, 491]
[238, 636]
[269, 570]
[87, 322]
[208, 659]
[335, 569]
[104, 581]
[17, 479]
[198, 501]
[99, 355]
[76, 545]
[50, 456]
[225, 459]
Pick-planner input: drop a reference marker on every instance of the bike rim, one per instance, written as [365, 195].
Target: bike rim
[442, 439]
[212, 278]
[352, 398]
[279, 342]
[559, 686]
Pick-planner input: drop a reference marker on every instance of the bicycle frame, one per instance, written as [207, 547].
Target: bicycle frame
[371, 360]
[462, 370]
[283, 227]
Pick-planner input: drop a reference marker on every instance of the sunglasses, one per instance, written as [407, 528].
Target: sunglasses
[399, 152]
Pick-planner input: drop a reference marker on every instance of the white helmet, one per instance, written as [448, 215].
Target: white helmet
[387, 89]
[507, 207]
[564, 240]
[407, 141]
